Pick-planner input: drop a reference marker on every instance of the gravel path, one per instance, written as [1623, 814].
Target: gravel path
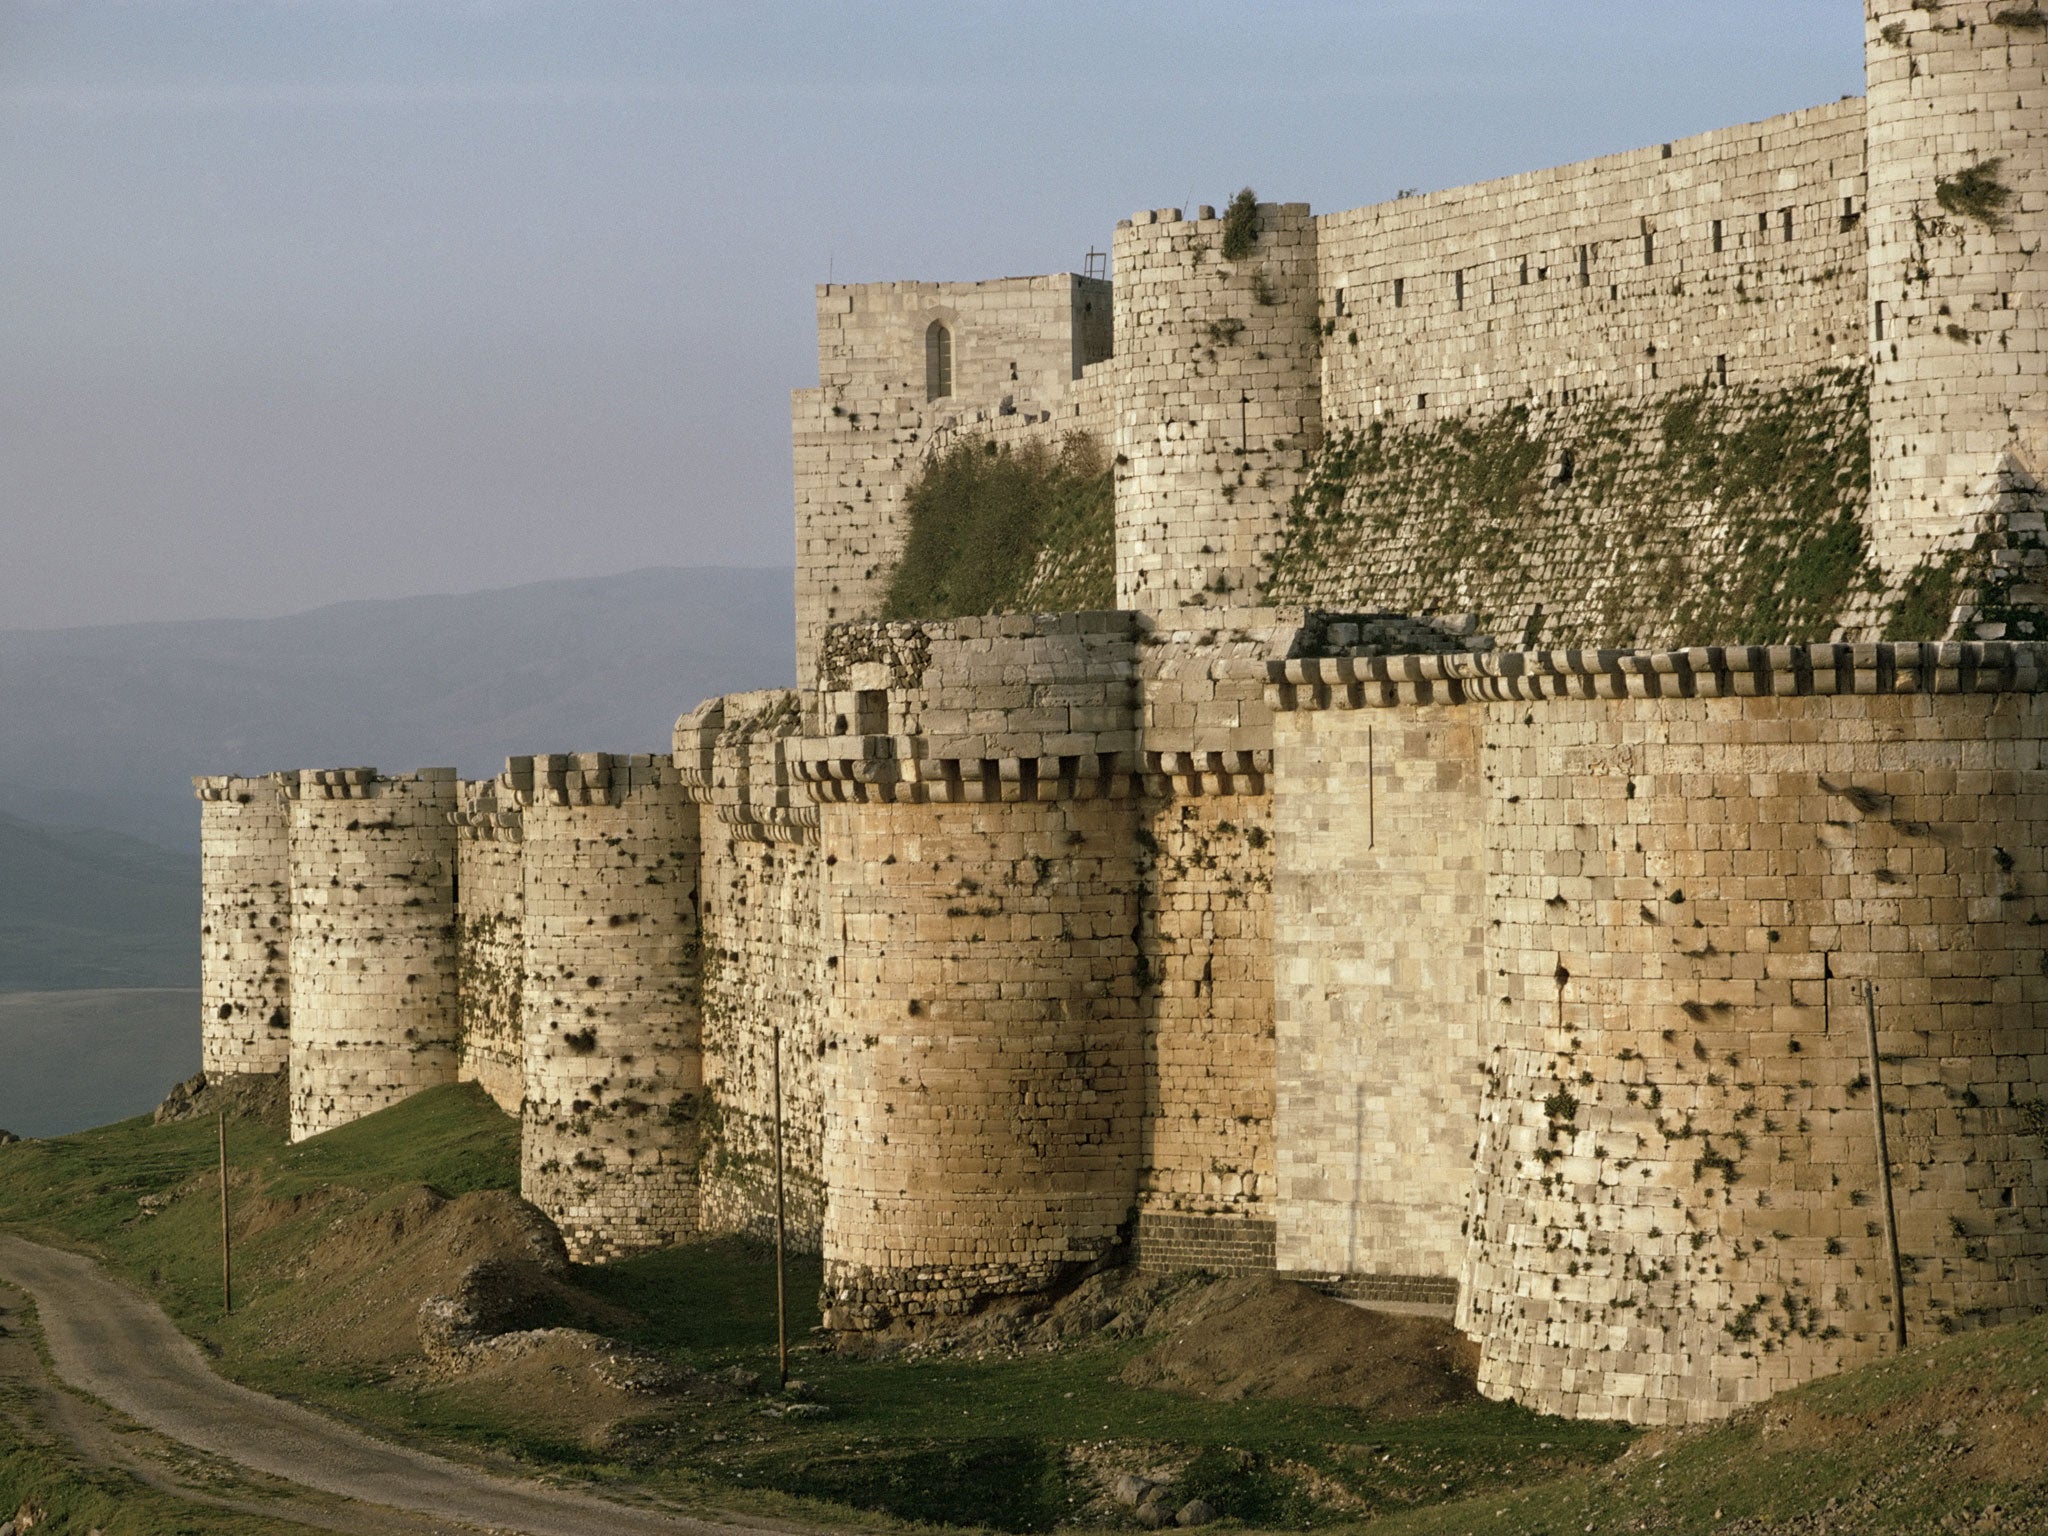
[106, 1340]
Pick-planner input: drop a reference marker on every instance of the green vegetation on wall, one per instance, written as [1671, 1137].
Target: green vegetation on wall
[1001, 529]
[1709, 516]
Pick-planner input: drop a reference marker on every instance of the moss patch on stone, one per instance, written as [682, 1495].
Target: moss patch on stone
[1723, 516]
[1001, 529]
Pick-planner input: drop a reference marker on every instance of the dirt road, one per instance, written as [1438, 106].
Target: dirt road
[106, 1340]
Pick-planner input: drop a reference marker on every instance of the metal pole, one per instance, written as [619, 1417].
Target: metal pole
[227, 1290]
[1884, 1170]
[1244, 435]
[781, 1304]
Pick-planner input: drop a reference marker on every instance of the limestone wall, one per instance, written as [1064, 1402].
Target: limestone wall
[1956, 321]
[1217, 401]
[491, 962]
[1205, 955]
[1382, 1034]
[1019, 346]
[613, 1070]
[764, 967]
[1693, 861]
[1606, 277]
[982, 1135]
[373, 942]
[245, 994]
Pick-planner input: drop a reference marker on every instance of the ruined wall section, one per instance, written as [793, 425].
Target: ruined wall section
[1218, 401]
[1957, 322]
[1019, 350]
[609, 1140]
[490, 965]
[765, 967]
[373, 941]
[245, 923]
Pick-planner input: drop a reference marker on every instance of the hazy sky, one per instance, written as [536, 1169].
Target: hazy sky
[317, 299]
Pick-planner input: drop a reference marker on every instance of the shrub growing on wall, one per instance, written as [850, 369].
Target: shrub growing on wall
[1000, 529]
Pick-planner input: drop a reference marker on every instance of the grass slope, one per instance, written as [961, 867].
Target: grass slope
[1954, 1426]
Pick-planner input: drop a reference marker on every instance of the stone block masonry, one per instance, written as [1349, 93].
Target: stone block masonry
[1385, 948]
[245, 924]
[491, 962]
[613, 1065]
[373, 941]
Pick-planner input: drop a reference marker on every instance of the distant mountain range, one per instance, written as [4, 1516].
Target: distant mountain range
[101, 730]
[103, 727]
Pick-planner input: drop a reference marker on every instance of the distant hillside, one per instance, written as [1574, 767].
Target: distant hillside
[94, 909]
[105, 726]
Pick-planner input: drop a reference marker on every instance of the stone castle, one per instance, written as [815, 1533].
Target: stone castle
[1570, 636]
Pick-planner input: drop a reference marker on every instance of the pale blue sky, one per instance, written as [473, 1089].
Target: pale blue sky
[313, 299]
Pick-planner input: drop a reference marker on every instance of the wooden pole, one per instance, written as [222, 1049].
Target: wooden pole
[1884, 1169]
[227, 1289]
[781, 1304]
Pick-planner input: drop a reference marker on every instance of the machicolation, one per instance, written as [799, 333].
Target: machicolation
[1549, 656]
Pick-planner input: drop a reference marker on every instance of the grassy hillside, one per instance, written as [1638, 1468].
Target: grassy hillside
[81, 908]
[1948, 1436]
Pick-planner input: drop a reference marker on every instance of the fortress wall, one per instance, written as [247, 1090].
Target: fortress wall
[1020, 346]
[490, 965]
[1678, 1193]
[764, 965]
[1633, 319]
[1207, 474]
[1675, 1195]
[373, 941]
[245, 924]
[982, 1138]
[1205, 1173]
[609, 1137]
[1379, 924]
[1958, 324]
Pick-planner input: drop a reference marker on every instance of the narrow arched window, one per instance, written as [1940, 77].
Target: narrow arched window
[938, 361]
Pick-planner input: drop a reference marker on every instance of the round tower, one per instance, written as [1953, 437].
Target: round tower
[1679, 1201]
[245, 924]
[983, 1135]
[372, 941]
[1958, 212]
[1219, 399]
[611, 1026]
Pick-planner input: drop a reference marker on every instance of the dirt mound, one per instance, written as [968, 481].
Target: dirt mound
[1262, 1337]
[260, 1096]
[361, 1285]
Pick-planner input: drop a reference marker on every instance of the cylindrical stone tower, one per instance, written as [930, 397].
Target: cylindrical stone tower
[983, 1135]
[373, 941]
[245, 924]
[1958, 135]
[1219, 400]
[1678, 1205]
[612, 1034]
